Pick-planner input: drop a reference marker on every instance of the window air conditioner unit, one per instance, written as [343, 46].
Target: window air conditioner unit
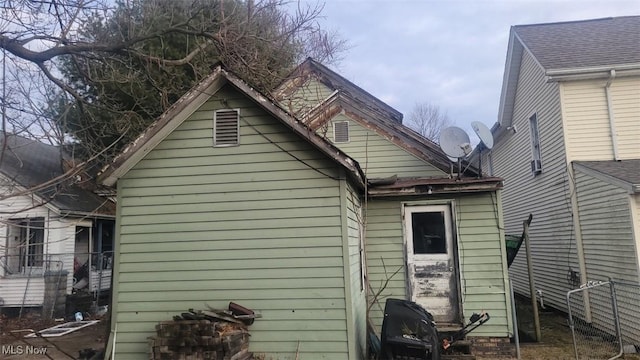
[536, 167]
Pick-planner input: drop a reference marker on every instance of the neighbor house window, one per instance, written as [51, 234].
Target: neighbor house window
[25, 245]
[226, 127]
[341, 132]
[536, 162]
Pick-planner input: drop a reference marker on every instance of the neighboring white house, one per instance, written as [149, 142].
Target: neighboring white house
[48, 224]
[567, 143]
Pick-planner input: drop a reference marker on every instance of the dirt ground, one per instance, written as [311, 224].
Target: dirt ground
[556, 344]
[14, 346]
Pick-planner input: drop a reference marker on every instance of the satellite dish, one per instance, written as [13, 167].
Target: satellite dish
[483, 133]
[455, 142]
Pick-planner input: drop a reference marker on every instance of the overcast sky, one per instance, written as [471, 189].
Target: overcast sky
[450, 53]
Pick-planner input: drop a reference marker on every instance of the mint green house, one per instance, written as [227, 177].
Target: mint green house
[229, 197]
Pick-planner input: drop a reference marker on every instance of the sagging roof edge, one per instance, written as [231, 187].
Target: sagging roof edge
[191, 101]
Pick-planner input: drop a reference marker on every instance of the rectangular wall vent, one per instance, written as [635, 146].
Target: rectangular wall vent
[341, 132]
[226, 127]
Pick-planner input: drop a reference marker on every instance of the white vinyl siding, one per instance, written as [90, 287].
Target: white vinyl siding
[252, 224]
[586, 117]
[609, 248]
[58, 248]
[546, 196]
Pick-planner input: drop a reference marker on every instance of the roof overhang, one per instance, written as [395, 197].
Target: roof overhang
[435, 186]
[191, 101]
[396, 133]
[629, 187]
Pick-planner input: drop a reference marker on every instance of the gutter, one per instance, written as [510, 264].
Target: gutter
[612, 122]
[592, 73]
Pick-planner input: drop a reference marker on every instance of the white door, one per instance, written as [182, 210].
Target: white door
[431, 262]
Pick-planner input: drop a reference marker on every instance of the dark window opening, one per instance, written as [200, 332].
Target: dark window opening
[429, 233]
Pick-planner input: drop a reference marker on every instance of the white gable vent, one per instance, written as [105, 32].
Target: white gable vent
[341, 132]
[226, 127]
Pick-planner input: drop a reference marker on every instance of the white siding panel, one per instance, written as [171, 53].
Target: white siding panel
[609, 247]
[586, 117]
[625, 93]
[546, 195]
[17, 291]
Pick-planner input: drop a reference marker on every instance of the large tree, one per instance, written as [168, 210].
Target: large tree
[428, 120]
[105, 70]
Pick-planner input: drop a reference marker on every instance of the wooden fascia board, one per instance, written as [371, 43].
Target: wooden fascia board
[396, 138]
[339, 103]
[162, 127]
[195, 98]
[627, 186]
[435, 189]
[302, 130]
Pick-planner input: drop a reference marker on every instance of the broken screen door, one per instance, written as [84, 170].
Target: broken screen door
[430, 260]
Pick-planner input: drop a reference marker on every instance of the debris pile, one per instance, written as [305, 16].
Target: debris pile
[211, 335]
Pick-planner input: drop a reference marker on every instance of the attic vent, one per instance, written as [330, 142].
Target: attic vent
[341, 132]
[226, 127]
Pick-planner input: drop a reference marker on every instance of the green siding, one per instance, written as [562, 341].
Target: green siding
[378, 156]
[252, 224]
[482, 257]
[355, 222]
[306, 97]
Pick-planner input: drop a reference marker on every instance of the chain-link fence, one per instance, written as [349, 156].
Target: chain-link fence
[604, 317]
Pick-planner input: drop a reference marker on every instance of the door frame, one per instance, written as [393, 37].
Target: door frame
[406, 236]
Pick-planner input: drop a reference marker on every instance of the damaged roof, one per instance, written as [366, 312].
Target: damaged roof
[45, 170]
[362, 107]
[191, 101]
[622, 173]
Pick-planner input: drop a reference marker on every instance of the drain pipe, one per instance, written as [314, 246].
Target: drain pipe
[612, 120]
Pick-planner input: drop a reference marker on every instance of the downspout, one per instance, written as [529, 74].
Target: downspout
[612, 122]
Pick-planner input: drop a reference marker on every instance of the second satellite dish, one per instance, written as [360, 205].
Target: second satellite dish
[483, 133]
[455, 142]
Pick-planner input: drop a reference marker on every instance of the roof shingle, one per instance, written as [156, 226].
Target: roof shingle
[583, 44]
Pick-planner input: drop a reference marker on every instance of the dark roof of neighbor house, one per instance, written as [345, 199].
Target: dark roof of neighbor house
[570, 50]
[623, 172]
[583, 44]
[364, 108]
[43, 169]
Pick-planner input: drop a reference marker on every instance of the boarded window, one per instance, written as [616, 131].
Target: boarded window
[341, 132]
[226, 127]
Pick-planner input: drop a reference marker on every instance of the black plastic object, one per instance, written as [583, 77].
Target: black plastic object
[408, 332]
